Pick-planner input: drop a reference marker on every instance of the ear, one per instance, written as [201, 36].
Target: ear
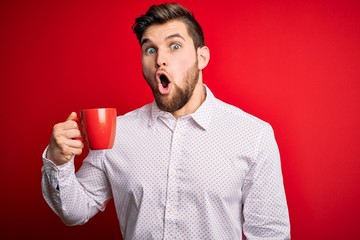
[203, 55]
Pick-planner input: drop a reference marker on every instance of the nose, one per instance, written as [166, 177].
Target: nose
[161, 59]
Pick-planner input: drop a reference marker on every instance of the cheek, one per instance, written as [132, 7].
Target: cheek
[147, 68]
[187, 60]
[183, 65]
[146, 73]
[149, 76]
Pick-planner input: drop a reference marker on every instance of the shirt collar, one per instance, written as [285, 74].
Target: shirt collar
[202, 116]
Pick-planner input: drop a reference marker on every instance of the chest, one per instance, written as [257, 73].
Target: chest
[191, 162]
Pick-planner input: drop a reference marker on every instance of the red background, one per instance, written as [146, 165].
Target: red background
[295, 64]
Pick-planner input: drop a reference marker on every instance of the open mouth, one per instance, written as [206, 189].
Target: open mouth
[164, 81]
[164, 84]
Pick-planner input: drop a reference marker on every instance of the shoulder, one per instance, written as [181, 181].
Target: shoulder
[235, 115]
[243, 132]
[137, 115]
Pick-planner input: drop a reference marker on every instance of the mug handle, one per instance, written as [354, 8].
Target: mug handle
[78, 121]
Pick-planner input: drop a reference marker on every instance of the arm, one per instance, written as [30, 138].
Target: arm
[75, 198]
[265, 208]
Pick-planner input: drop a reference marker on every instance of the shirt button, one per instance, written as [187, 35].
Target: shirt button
[170, 209]
[172, 172]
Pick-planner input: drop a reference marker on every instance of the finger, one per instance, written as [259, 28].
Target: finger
[77, 151]
[63, 131]
[74, 143]
[74, 150]
[71, 121]
[65, 144]
[68, 157]
[72, 116]
[72, 133]
[68, 124]
[67, 150]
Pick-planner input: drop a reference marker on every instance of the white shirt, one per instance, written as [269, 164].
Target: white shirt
[208, 175]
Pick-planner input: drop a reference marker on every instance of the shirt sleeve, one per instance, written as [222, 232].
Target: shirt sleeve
[264, 201]
[75, 199]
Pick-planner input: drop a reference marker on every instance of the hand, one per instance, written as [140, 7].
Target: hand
[63, 142]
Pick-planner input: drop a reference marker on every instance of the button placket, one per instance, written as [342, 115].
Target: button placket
[172, 200]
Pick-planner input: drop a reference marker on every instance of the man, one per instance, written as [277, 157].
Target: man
[187, 166]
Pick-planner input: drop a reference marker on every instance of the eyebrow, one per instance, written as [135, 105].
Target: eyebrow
[176, 35]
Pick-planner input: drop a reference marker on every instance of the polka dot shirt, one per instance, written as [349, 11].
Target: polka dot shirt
[213, 174]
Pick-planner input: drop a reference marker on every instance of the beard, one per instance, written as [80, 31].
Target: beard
[180, 96]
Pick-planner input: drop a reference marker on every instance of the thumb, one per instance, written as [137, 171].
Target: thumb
[72, 116]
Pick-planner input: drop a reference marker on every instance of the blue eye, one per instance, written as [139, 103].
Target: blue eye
[150, 50]
[175, 46]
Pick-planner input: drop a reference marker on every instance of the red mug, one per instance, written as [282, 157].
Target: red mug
[98, 126]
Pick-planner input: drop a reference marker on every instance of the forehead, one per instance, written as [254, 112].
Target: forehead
[158, 32]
